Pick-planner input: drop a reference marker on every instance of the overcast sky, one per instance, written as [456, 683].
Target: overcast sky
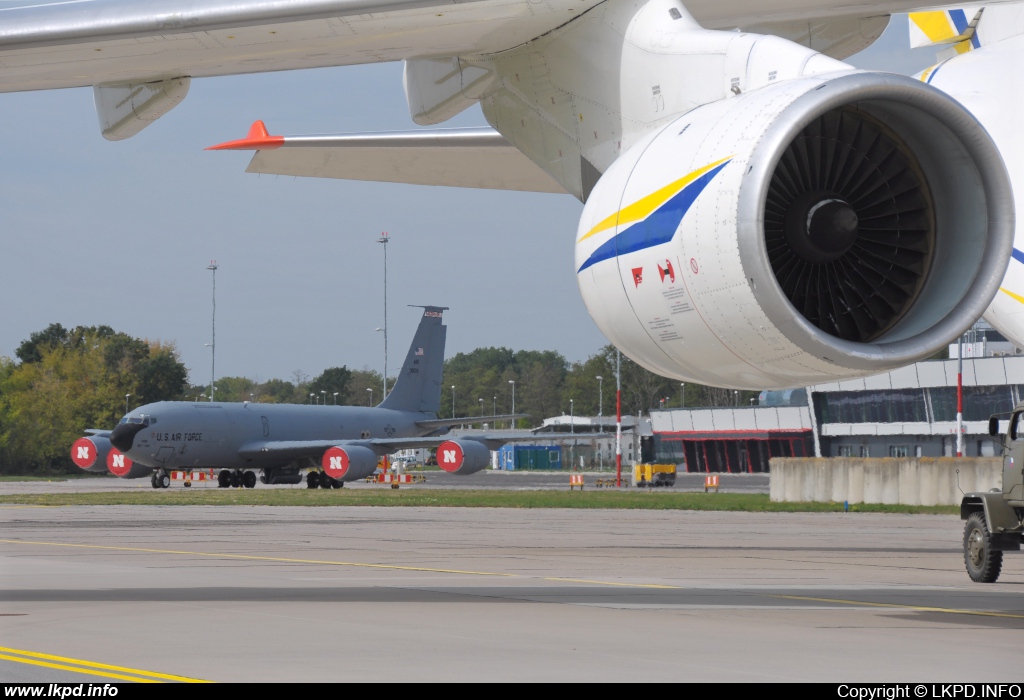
[94, 232]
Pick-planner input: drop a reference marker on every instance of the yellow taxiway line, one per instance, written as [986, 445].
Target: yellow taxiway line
[91, 668]
[903, 606]
[397, 567]
[251, 557]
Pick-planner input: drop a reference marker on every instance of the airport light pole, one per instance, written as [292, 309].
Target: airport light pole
[212, 267]
[960, 396]
[513, 383]
[311, 395]
[384, 240]
[682, 394]
[600, 397]
[335, 398]
[370, 389]
[126, 403]
[324, 393]
[494, 405]
[481, 408]
[453, 400]
[618, 418]
[572, 429]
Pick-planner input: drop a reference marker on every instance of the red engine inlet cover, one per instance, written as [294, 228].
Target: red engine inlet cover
[335, 463]
[84, 453]
[450, 456]
[118, 463]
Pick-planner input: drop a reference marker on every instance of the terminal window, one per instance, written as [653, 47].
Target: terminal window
[892, 406]
[846, 450]
[865, 451]
[899, 451]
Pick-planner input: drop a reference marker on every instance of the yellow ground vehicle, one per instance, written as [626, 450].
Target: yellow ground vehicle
[654, 475]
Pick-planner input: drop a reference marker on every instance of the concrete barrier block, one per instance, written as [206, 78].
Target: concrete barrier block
[909, 481]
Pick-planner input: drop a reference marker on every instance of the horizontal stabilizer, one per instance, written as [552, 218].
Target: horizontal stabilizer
[478, 157]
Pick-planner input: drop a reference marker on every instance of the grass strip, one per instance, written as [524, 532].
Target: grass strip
[636, 500]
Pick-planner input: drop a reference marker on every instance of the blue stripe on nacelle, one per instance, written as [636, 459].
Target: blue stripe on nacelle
[657, 228]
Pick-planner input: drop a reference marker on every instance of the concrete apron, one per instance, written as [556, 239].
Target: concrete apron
[917, 481]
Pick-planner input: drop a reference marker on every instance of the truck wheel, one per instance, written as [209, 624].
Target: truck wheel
[983, 563]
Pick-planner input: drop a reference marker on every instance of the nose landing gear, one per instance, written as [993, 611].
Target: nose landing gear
[160, 479]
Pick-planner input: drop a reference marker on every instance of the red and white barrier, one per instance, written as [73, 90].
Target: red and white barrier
[575, 480]
[711, 482]
[194, 475]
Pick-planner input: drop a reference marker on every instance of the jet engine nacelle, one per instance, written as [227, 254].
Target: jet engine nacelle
[818, 229]
[90, 453]
[349, 463]
[120, 466]
[463, 456]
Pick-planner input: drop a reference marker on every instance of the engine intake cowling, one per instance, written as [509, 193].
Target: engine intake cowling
[463, 456]
[90, 453]
[349, 463]
[823, 228]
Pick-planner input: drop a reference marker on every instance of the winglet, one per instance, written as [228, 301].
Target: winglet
[256, 140]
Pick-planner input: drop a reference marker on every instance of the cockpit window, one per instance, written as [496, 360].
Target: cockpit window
[139, 420]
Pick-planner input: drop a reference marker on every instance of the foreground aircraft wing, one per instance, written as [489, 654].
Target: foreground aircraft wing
[476, 157]
[94, 42]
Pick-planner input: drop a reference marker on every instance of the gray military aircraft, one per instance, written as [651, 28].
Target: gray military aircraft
[345, 442]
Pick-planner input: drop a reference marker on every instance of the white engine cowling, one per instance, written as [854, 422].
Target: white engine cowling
[819, 229]
[349, 463]
[463, 456]
[90, 453]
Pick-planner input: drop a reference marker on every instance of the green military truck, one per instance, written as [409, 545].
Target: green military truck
[995, 520]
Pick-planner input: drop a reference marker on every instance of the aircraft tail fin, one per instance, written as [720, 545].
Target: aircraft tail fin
[418, 387]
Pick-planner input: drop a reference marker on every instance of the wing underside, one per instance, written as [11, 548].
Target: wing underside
[91, 42]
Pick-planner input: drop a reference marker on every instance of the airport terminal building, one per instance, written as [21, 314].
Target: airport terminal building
[908, 412]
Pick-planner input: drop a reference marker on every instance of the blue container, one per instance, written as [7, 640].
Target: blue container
[512, 457]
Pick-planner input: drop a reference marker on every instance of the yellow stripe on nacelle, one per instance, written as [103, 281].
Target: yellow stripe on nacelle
[642, 208]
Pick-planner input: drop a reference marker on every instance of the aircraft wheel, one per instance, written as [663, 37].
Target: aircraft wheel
[249, 479]
[312, 480]
[224, 479]
[337, 484]
[236, 480]
[983, 563]
[153, 482]
[164, 480]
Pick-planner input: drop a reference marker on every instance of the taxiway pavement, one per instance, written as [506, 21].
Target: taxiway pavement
[442, 594]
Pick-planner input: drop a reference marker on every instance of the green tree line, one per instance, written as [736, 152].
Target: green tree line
[66, 381]
[62, 382]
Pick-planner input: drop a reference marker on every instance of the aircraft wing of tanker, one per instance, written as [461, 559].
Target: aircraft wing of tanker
[281, 439]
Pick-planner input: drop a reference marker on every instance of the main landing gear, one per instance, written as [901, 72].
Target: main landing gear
[319, 479]
[236, 479]
[160, 479]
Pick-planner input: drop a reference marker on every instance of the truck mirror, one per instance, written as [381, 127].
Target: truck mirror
[1012, 432]
[993, 426]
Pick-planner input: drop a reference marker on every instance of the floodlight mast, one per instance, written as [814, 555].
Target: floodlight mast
[384, 240]
[618, 418]
[212, 267]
